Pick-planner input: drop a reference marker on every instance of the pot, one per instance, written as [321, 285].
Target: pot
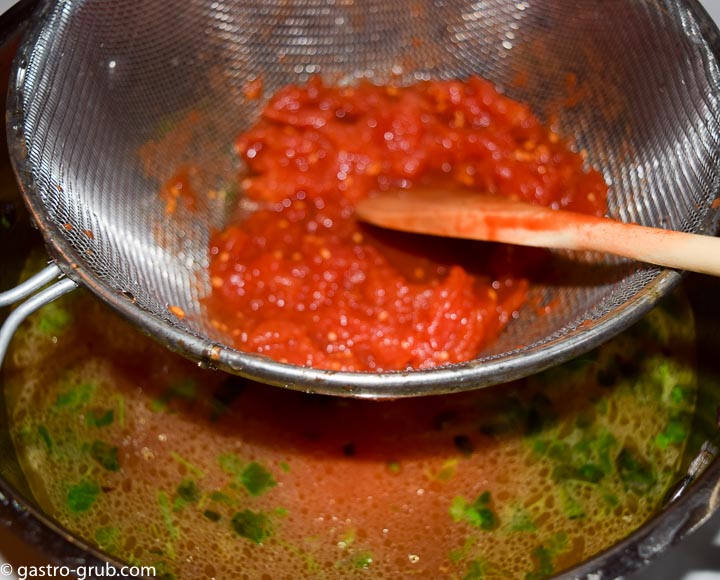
[693, 500]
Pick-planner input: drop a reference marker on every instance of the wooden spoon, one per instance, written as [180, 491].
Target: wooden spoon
[470, 215]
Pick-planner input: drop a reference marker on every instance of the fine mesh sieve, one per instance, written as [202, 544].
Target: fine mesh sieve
[110, 98]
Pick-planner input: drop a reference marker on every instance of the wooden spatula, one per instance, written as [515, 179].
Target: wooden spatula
[470, 215]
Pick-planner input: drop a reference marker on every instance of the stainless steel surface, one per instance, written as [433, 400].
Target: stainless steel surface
[86, 99]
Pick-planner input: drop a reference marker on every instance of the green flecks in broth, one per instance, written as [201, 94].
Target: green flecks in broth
[105, 454]
[100, 418]
[73, 398]
[108, 538]
[54, 319]
[82, 496]
[254, 526]
[256, 479]
[46, 438]
[231, 478]
[478, 513]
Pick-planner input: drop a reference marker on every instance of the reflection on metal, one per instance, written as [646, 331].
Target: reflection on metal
[11, 324]
[697, 466]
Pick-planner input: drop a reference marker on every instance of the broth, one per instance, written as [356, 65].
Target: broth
[205, 475]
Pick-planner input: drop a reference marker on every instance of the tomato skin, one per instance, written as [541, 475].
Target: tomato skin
[301, 281]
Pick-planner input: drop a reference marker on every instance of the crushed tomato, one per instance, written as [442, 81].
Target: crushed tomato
[301, 281]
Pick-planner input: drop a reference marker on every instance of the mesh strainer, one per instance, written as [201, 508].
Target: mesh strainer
[96, 81]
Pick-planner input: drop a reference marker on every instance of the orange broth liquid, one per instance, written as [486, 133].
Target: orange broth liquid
[204, 475]
[301, 281]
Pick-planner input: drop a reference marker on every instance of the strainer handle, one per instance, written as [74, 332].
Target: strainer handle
[36, 301]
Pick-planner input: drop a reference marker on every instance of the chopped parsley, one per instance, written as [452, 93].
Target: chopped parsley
[212, 515]
[54, 319]
[45, 436]
[188, 491]
[191, 467]
[543, 564]
[75, 397]
[252, 476]
[256, 479]
[165, 512]
[475, 571]
[100, 418]
[255, 526]
[362, 561]
[478, 513]
[107, 538]
[82, 496]
[634, 471]
[520, 520]
[674, 434]
[105, 454]
[230, 463]
[393, 466]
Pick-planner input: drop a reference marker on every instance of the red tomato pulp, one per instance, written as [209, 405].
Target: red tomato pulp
[301, 281]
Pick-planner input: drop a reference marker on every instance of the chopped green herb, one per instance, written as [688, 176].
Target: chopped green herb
[459, 554]
[231, 463]
[674, 434]
[606, 442]
[45, 436]
[211, 515]
[188, 491]
[520, 520]
[220, 497]
[254, 526]
[105, 454]
[158, 405]
[393, 466]
[184, 389]
[54, 319]
[166, 513]
[285, 466]
[611, 499]
[82, 496]
[680, 395]
[191, 467]
[162, 571]
[557, 543]
[571, 506]
[475, 571]
[590, 473]
[100, 418]
[75, 397]
[281, 512]
[477, 514]
[543, 564]
[447, 470]
[121, 410]
[256, 479]
[634, 471]
[362, 561]
[107, 539]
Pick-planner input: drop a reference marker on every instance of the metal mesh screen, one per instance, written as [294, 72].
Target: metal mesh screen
[635, 83]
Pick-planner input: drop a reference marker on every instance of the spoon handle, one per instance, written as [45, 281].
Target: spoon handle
[488, 218]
